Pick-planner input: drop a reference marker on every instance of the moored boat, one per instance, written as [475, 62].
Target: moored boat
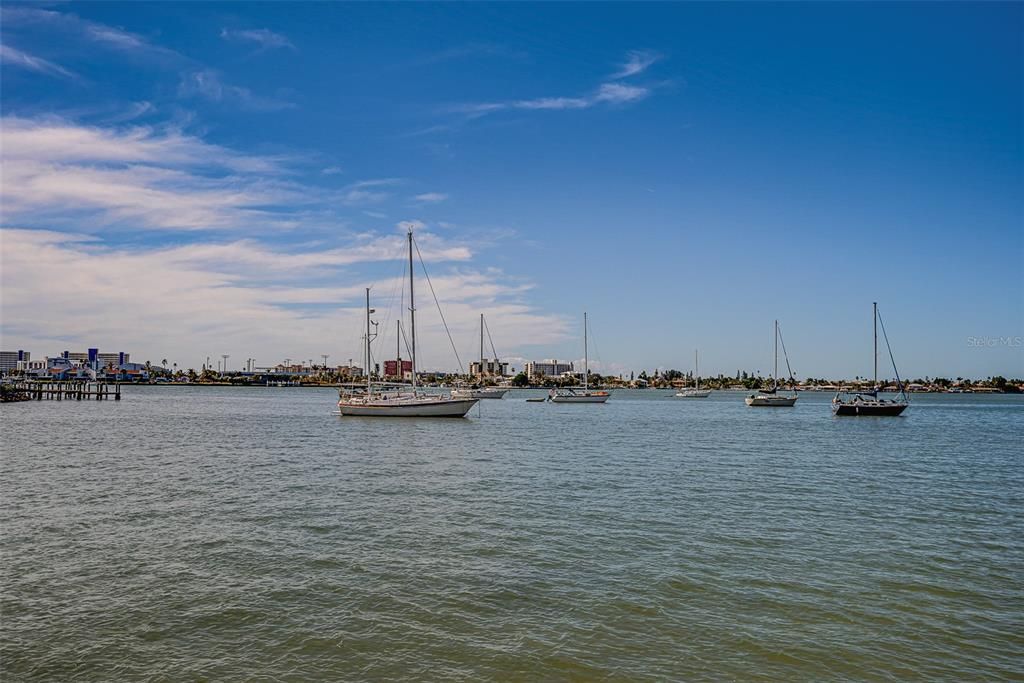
[482, 391]
[584, 394]
[695, 391]
[399, 402]
[771, 398]
[858, 403]
[479, 392]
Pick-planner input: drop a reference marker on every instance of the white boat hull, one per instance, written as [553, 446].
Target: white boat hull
[479, 393]
[399, 408]
[694, 393]
[765, 401]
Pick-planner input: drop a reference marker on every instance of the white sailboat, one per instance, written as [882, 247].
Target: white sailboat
[771, 398]
[695, 391]
[480, 391]
[570, 395]
[399, 401]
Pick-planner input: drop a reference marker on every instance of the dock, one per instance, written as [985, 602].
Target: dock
[70, 391]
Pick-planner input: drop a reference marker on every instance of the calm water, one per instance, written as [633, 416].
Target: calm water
[229, 534]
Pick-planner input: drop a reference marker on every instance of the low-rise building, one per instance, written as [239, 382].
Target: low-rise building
[391, 369]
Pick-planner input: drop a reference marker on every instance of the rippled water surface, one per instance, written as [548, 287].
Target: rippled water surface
[191, 533]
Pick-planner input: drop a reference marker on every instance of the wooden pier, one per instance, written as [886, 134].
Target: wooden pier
[70, 391]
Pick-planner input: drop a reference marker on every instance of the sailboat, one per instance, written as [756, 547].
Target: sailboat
[695, 391]
[771, 398]
[867, 403]
[399, 401]
[480, 391]
[570, 395]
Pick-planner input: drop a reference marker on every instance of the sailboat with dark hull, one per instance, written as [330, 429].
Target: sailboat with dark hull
[868, 403]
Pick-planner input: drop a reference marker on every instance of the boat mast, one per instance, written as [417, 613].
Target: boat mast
[412, 313]
[874, 315]
[398, 344]
[775, 376]
[368, 387]
[586, 367]
[481, 348]
[696, 371]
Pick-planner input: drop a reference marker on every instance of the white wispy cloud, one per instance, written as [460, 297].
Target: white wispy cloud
[264, 38]
[607, 93]
[15, 57]
[431, 197]
[368, 191]
[210, 84]
[332, 170]
[637, 61]
[108, 36]
[149, 178]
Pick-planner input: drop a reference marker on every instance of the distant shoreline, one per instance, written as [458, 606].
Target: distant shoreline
[803, 390]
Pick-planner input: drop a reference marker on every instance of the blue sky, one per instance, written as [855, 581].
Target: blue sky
[184, 180]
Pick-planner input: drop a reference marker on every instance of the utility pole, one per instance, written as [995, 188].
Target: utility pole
[325, 356]
[225, 357]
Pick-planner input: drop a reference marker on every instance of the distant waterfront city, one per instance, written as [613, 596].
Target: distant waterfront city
[93, 364]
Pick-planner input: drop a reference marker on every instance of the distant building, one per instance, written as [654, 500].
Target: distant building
[9, 360]
[350, 371]
[490, 368]
[32, 368]
[391, 369]
[547, 368]
[96, 359]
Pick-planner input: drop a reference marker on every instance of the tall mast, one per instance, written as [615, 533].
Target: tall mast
[586, 367]
[481, 347]
[398, 343]
[874, 315]
[412, 313]
[696, 371]
[775, 376]
[368, 387]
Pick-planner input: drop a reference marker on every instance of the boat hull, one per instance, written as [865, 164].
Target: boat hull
[693, 393]
[479, 393]
[440, 408]
[868, 409]
[770, 401]
[581, 398]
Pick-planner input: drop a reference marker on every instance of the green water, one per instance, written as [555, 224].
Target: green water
[249, 534]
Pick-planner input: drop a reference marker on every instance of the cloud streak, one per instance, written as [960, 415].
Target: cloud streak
[210, 85]
[15, 57]
[431, 197]
[637, 61]
[610, 93]
[607, 93]
[108, 36]
[264, 38]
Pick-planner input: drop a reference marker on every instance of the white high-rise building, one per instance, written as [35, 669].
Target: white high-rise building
[535, 369]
